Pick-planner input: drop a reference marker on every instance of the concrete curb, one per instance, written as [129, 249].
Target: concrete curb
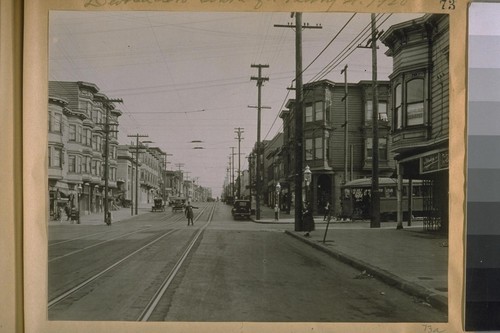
[437, 301]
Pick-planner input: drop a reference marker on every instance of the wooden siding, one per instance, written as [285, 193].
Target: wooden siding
[356, 117]
[412, 57]
[439, 115]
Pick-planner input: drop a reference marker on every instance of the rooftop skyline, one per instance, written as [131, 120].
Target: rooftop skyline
[185, 77]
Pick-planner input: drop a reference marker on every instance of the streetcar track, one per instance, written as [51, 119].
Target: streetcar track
[105, 232]
[87, 281]
[153, 303]
[108, 240]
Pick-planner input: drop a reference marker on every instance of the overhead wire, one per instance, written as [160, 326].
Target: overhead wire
[344, 54]
[310, 64]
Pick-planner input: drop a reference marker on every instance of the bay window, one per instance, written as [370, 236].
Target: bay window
[314, 111]
[398, 107]
[55, 122]
[309, 113]
[71, 163]
[415, 102]
[382, 148]
[409, 97]
[309, 149]
[382, 111]
[72, 132]
[318, 111]
[318, 148]
[55, 157]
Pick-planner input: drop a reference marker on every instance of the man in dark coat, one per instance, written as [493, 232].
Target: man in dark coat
[189, 213]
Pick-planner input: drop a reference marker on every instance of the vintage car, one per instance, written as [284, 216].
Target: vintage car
[178, 204]
[159, 205]
[241, 209]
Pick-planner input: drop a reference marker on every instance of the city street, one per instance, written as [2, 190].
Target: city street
[154, 267]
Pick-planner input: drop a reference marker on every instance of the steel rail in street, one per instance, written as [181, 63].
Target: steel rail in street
[153, 303]
[81, 285]
[97, 233]
[108, 240]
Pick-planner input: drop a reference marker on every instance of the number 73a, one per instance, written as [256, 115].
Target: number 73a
[450, 3]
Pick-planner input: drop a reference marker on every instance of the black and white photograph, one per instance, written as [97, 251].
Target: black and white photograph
[248, 167]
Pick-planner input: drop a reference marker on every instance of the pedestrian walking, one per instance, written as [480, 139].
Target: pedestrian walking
[67, 211]
[59, 214]
[276, 213]
[327, 211]
[188, 210]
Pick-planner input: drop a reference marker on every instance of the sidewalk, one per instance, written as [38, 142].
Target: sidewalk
[409, 259]
[119, 215]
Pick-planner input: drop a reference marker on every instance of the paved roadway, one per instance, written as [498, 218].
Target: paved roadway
[236, 271]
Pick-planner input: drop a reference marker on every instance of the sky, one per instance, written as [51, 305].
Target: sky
[186, 76]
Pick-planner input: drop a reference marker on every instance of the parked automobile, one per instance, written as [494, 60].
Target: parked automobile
[241, 209]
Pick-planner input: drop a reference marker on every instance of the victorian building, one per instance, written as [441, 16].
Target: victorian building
[337, 138]
[77, 145]
[419, 87]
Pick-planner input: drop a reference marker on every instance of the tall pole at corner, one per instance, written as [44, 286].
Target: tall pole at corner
[260, 80]
[298, 111]
[299, 225]
[375, 200]
[239, 131]
[346, 125]
[137, 136]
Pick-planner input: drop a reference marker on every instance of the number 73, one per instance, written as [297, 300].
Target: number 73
[450, 3]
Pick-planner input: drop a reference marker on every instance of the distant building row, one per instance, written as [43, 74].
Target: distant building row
[77, 116]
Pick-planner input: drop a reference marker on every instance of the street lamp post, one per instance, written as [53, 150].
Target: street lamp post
[307, 179]
[308, 220]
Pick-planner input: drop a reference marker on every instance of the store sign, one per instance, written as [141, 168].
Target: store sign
[434, 162]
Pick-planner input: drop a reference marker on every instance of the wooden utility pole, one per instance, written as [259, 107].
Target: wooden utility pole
[239, 131]
[107, 130]
[137, 136]
[346, 125]
[375, 199]
[250, 158]
[232, 171]
[299, 155]
[260, 80]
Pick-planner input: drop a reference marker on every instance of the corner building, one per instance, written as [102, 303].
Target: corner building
[327, 141]
[419, 109]
[76, 146]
